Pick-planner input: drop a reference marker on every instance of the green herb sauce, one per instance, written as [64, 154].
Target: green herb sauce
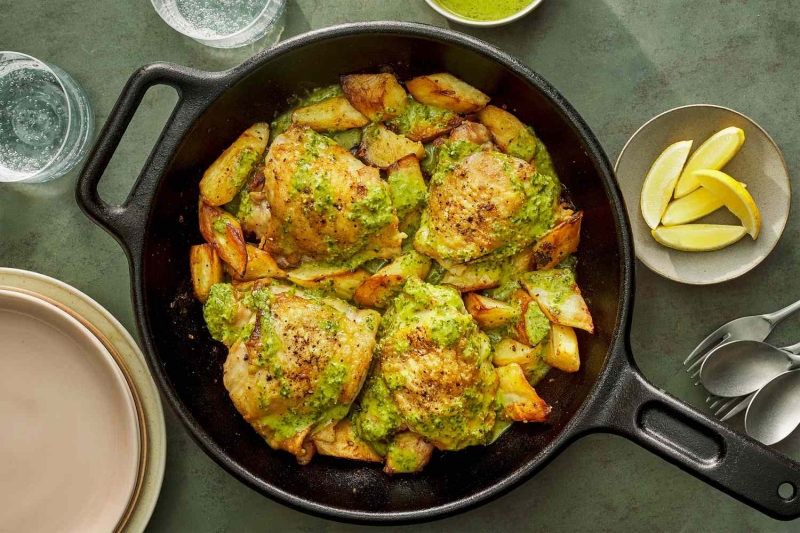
[219, 313]
[421, 121]
[484, 9]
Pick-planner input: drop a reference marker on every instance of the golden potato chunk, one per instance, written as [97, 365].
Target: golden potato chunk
[517, 399]
[378, 96]
[206, 269]
[342, 284]
[221, 229]
[333, 114]
[563, 350]
[447, 91]
[381, 147]
[259, 265]
[341, 440]
[387, 282]
[559, 297]
[228, 174]
[522, 300]
[408, 453]
[490, 313]
[558, 243]
[508, 132]
[509, 351]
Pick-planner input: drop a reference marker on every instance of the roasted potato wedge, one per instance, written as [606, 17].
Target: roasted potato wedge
[406, 185]
[341, 440]
[509, 351]
[490, 313]
[408, 453]
[342, 285]
[473, 278]
[379, 289]
[558, 243]
[522, 301]
[228, 174]
[446, 91]
[314, 272]
[518, 401]
[559, 297]
[381, 147]
[420, 122]
[333, 114]
[510, 135]
[221, 229]
[259, 265]
[206, 268]
[562, 352]
[342, 282]
[378, 96]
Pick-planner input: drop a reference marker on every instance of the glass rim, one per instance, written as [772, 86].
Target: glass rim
[47, 68]
[229, 35]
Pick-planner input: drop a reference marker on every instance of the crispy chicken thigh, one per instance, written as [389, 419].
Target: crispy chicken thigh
[301, 366]
[484, 202]
[324, 204]
[433, 372]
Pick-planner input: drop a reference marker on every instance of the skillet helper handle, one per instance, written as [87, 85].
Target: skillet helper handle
[703, 446]
[126, 222]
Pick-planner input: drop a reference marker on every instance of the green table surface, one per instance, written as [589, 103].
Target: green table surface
[619, 62]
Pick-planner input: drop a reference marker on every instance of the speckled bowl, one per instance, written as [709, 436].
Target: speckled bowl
[759, 164]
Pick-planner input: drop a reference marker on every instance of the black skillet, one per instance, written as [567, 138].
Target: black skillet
[158, 222]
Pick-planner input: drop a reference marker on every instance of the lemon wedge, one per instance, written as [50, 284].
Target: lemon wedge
[691, 207]
[660, 181]
[712, 154]
[733, 196]
[698, 237]
[694, 205]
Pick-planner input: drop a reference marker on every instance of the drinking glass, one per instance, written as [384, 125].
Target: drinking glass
[46, 120]
[224, 23]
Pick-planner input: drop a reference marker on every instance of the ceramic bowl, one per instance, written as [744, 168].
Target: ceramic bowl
[759, 164]
[483, 23]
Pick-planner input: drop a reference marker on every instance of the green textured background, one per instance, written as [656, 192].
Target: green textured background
[618, 61]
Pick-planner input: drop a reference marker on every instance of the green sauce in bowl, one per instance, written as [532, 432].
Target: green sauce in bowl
[484, 10]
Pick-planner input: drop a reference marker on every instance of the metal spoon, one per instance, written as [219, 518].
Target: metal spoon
[775, 410]
[739, 368]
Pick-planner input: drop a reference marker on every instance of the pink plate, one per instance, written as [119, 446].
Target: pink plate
[70, 444]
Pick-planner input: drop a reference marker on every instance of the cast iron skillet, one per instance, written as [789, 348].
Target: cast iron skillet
[158, 222]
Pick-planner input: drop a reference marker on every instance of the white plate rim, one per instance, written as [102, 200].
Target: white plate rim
[132, 355]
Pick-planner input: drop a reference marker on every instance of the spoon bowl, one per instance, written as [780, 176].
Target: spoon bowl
[742, 367]
[774, 412]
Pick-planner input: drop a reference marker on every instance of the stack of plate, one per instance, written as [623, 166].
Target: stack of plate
[82, 445]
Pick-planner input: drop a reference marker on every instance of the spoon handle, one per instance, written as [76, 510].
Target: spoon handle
[777, 316]
[793, 353]
[793, 349]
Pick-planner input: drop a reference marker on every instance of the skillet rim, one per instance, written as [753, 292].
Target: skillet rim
[574, 428]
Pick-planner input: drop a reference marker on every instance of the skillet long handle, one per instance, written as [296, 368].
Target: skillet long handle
[699, 444]
[125, 222]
